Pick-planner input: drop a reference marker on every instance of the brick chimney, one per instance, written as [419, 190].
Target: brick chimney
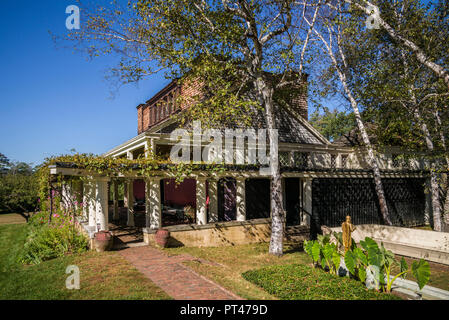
[299, 99]
[294, 95]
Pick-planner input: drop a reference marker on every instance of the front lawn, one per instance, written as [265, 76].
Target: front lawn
[102, 275]
[303, 282]
[226, 265]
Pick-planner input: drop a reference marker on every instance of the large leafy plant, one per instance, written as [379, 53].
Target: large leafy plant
[381, 261]
[323, 253]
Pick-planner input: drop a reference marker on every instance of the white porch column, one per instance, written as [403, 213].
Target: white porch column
[125, 193]
[78, 194]
[101, 199]
[90, 202]
[150, 147]
[201, 211]
[129, 155]
[115, 215]
[213, 201]
[153, 202]
[307, 196]
[86, 193]
[67, 195]
[240, 202]
[130, 197]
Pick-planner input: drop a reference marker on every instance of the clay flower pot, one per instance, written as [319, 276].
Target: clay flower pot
[102, 241]
[162, 237]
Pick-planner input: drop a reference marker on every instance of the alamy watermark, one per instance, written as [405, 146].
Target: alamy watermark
[217, 146]
[73, 280]
[73, 20]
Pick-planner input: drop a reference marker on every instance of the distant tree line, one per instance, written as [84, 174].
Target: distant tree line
[18, 187]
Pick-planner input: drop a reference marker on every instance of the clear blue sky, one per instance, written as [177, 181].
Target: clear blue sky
[53, 100]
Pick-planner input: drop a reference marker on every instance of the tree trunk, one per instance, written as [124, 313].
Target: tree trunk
[277, 210]
[371, 158]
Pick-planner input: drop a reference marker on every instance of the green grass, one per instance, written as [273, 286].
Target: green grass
[225, 265]
[12, 238]
[302, 282]
[102, 275]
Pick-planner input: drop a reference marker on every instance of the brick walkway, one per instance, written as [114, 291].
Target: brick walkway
[176, 279]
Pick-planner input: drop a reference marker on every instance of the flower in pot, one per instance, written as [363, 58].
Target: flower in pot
[162, 237]
[102, 240]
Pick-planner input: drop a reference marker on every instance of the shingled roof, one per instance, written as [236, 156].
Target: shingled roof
[292, 128]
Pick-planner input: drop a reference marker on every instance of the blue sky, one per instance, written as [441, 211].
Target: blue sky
[53, 100]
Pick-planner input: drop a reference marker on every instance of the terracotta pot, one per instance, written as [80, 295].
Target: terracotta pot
[162, 237]
[102, 241]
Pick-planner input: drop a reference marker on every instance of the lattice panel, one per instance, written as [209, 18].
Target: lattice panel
[284, 159]
[333, 199]
[301, 159]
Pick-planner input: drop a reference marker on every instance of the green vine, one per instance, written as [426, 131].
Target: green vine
[115, 167]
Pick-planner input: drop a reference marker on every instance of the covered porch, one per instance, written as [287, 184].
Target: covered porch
[203, 210]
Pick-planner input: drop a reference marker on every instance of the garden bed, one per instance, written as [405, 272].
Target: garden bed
[302, 282]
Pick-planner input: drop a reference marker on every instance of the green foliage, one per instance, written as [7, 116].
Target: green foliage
[18, 189]
[421, 272]
[323, 253]
[383, 260]
[333, 124]
[47, 241]
[301, 282]
[358, 260]
[145, 167]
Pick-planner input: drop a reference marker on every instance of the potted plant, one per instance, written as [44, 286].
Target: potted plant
[102, 241]
[161, 238]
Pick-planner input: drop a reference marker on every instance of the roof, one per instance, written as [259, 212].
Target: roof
[292, 128]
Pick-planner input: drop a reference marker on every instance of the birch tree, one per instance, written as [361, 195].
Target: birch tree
[245, 41]
[330, 30]
[401, 94]
[435, 64]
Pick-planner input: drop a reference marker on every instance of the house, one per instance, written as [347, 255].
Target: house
[322, 182]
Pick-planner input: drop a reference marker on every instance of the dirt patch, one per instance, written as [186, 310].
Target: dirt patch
[11, 218]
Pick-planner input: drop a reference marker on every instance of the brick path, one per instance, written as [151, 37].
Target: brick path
[176, 279]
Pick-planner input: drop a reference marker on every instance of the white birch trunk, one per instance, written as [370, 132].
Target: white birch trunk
[277, 211]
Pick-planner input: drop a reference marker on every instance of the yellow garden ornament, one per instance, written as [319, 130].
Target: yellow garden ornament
[347, 228]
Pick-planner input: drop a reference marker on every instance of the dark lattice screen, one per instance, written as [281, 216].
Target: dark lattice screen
[333, 199]
[257, 198]
[226, 199]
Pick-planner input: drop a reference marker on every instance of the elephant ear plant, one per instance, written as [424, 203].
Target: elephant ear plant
[323, 253]
[381, 261]
[368, 257]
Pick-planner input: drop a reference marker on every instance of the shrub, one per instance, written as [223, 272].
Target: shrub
[302, 282]
[47, 241]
